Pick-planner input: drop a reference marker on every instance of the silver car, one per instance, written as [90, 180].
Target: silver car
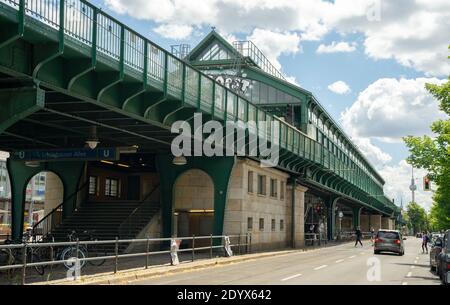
[389, 241]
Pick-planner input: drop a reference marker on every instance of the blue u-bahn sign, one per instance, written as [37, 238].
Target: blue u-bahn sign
[82, 154]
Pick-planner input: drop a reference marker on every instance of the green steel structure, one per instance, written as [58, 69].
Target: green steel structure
[66, 66]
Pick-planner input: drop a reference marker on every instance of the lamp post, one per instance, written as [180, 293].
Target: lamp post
[341, 216]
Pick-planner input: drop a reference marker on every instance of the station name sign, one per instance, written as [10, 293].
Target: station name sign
[83, 154]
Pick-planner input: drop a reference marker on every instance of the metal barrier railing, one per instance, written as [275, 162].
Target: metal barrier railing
[312, 239]
[241, 244]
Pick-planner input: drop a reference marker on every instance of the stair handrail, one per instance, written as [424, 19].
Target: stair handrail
[48, 219]
[136, 211]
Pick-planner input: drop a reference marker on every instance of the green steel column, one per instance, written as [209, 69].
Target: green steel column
[357, 217]
[69, 172]
[331, 219]
[18, 176]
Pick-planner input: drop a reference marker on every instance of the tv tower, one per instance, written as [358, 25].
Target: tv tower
[413, 186]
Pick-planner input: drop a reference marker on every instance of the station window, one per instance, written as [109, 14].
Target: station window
[274, 225]
[112, 187]
[93, 185]
[250, 224]
[283, 190]
[281, 225]
[250, 182]
[262, 185]
[261, 224]
[274, 188]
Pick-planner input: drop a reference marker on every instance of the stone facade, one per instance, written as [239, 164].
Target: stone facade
[54, 192]
[365, 223]
[375, 221]
[299, 211]
[385, 223]
[261, 210]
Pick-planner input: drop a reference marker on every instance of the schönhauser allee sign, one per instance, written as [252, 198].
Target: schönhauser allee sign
[83, 154]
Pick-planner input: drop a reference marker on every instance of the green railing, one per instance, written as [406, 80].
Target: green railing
[134, 54]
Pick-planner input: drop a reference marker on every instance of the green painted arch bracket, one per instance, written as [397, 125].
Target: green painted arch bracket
[19, 103]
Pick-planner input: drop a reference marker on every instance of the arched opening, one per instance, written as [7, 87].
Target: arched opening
[344, 220]
[5, 200]
[193, 204]
[315, 218]
[44, 193]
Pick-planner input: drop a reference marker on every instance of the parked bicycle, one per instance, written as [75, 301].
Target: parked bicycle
[9, 257]
[70, 254]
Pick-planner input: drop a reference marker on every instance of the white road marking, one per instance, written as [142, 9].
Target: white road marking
[321, 267]
[339, 261]
[352, 256]
[362, 253]
[413, 267]
[409, 274]
[405, 284]
[291, 277]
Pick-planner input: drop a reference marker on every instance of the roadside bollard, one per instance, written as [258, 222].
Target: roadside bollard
[24, 261]
[148, 250]
[116, 263]
[211, 249]
[193, 248]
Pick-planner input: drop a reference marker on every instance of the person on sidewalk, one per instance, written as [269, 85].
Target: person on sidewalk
[425, 241]
[358, 234]
[372, 236]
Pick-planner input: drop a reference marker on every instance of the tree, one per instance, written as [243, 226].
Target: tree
[433, 154]
[417, 218]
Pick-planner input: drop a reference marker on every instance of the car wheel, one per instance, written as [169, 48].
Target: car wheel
[376, 252]
[432, 269]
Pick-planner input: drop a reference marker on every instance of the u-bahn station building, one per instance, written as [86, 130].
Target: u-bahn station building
[91, 103]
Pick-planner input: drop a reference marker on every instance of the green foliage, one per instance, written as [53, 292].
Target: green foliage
[416, 218]
[433, 154]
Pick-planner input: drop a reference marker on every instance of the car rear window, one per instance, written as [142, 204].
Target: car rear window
[388, 235]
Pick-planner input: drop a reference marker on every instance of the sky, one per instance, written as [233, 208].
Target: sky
[366, 61]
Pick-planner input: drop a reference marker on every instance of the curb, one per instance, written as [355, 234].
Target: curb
[127, 276]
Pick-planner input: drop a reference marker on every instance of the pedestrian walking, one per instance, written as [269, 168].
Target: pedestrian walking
[425, 241]
[358, 234]
[372, 236]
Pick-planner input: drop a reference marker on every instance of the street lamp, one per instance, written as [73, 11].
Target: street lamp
[341, 216]
[179, 161]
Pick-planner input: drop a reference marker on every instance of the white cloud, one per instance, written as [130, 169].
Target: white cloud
[412, 32]
[274, 44]
[398, 180]
[373, 153]
[339, 87]
[292, 80]
[390, 109]
[336, 47]
[174, 31]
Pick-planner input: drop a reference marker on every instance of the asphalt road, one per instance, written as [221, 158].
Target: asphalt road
[340, 265]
